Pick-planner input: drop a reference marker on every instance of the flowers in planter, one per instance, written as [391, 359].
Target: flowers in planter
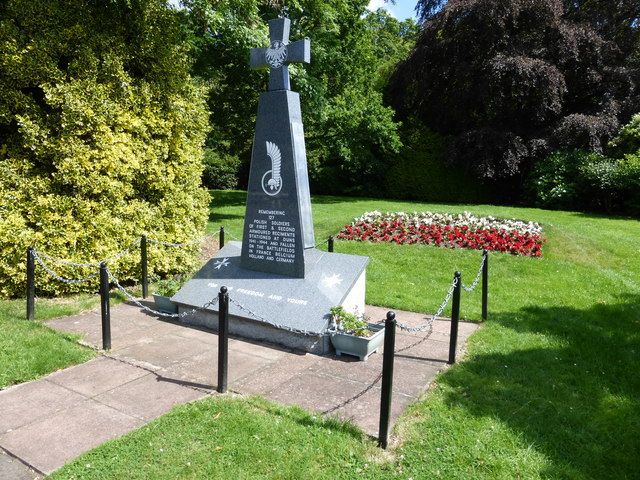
[463, 230]
[168, 287]
[350, 323]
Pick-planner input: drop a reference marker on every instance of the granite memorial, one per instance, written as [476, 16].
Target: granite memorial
[281, 287]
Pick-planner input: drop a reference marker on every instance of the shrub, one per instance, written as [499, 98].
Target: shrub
[587, 181]
[220, 170]
[627, 181]
[552, 182]
[101, 131]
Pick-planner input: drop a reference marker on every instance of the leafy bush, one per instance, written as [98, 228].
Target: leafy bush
[627, 180]
[552, 182]
[588, 181]
[350, 323]
[101, 131]
[168, 287]
[220, 170]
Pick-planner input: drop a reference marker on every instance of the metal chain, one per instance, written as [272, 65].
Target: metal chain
[354, 398]
[377, 379]
[60, 278]
[66, 262]
[134, 300]
[429, 324]
[113, 258]
[274, 324]
[126, 251]
[226, 232]
[185, 244]
[477, 279]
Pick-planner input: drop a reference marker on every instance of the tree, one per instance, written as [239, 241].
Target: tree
[347, 127]
[101, 130]
[510, 80]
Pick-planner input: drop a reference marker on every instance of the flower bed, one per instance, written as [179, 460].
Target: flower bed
[447, 230]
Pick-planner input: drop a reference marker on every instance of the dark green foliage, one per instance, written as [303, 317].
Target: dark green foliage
[420, 171]
[220, 170]
[348, 129]
[513, 80]
[580, 180]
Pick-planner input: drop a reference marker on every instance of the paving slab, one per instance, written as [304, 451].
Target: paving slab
[96, 376]
[156, 364]
[13, 469]
[50, 442]
[148, 397]
[23, 404]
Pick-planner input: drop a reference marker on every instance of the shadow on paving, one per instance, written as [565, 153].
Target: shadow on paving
[578, 403]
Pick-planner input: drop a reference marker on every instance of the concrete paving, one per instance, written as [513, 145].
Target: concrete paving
[155, 364]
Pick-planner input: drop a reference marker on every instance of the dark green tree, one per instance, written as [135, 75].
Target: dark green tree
[348, 129]
[510, 80]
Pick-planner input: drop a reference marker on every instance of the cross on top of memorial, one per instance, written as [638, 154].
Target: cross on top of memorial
[280, 53]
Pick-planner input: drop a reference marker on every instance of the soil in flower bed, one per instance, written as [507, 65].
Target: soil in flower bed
[446, 230]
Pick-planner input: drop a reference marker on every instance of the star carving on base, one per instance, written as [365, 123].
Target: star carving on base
[332, 281]
[221, 263]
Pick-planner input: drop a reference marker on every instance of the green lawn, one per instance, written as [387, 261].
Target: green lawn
[549, 387]
[28, 349]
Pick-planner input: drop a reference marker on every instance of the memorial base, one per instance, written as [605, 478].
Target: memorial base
[273, 308]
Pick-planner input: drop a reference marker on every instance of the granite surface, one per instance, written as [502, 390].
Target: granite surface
[293, 303]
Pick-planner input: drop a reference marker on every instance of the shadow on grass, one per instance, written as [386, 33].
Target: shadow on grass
[227, 198]
[220, 217]
[307, 419]
[576, 401]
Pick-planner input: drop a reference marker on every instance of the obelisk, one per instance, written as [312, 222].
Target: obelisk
[278, 224]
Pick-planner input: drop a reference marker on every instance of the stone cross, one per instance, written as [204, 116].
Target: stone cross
[280, 53]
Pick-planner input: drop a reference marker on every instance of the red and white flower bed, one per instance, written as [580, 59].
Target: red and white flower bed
[462, 230]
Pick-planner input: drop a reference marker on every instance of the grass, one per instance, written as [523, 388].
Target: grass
[548, 389]
[29, 349]
[230, 438]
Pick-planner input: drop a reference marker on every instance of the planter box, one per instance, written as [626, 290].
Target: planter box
[164, 304]
[360, 347]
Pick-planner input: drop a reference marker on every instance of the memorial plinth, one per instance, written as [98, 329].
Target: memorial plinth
[281, 287]
[276, 308]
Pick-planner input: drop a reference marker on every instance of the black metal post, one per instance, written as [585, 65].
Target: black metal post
[221, 237]
[223, 339]
[31, 284]
[330, 243]
[104, 307]
[485, 284]
[455, 318]
[387, 378]
[144, 265]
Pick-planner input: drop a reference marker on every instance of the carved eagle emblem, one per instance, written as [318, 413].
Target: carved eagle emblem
[276, 160]
[276, 54]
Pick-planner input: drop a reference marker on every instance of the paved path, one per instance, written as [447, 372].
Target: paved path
[155, 364]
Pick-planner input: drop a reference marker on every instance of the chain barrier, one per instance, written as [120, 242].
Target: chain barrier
[379, 377]
[354, 398]
[185, 244]
[477, 279]
[227, 232]
[274, 324]
[429, 324]
[113, 258]
[119, 255]
[141, 305]
[66, 262]
[60, 278]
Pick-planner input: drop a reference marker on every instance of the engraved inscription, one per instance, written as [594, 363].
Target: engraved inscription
[271, 237]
